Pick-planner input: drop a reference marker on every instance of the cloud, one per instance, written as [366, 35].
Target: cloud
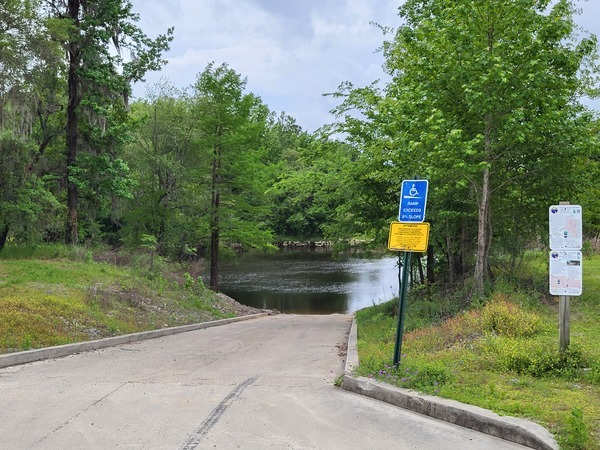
[291, 51]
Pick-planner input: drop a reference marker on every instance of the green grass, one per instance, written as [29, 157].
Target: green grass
[501, 355]
[52, 295]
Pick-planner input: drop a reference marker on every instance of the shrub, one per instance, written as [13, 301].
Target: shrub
[505, 318]
[508, 354]
[499, 317]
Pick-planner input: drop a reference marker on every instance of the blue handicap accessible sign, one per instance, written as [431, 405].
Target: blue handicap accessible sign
[413, 200]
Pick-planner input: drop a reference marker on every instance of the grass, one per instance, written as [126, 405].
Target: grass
[501, 354]
[52, 295]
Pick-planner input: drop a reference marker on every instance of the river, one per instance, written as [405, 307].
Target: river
[309, 281]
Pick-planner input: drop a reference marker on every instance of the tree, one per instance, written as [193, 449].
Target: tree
[26, 206]
[313, 187]
[483, 103]
[29, 65]
[99, 79]
[167, 202]
[231, 160]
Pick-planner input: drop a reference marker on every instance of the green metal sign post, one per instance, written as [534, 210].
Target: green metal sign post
[403, 273]
[409, 234]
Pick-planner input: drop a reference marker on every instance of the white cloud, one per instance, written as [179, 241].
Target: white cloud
[291, 51]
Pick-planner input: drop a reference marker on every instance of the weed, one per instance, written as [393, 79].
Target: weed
[188, 281]
[26, 342]
[339, 380]
[577, 436]
[426, 377]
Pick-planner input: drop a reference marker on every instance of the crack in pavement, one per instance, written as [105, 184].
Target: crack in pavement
[193, 441]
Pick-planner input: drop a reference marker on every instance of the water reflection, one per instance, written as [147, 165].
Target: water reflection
[309, 281]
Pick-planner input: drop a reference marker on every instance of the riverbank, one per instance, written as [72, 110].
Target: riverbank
[55, 295]
[304, 244]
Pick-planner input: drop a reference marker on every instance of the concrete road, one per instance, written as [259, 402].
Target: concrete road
[258, 384]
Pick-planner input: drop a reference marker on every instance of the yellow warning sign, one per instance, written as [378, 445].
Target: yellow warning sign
[408, 237]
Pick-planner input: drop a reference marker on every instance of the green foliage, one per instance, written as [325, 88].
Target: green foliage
[27, 208]
[480, 103]
[101, 178]
[188, 281]
[501, 354]
[149, 242]
[429, 377]
[530, 357]
[98, 86]
[229, 161]
[36, 251]
[200, 166]
[578, 437]
[166, 200]
[425, 377]
[311, 188]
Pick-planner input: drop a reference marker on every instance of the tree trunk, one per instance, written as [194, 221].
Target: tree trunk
[214, 220]
[482, 261]
[420, 268]
[430, 263]
[3, 236]
[450, 252]
[465, 249]
[1, 113]
[72, 228]
[214, 254]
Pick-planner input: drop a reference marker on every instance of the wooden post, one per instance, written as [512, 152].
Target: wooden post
[564, 317]
[564, 321]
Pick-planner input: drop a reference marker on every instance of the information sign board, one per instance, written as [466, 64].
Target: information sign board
[413, 200]
[565, 227]
[408, 237]
[566, 273]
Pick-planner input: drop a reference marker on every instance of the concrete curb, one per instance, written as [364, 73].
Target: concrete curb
[512, 429]
[13, 359]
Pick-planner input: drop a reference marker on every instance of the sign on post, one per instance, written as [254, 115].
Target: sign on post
[566, 240]
[413, 200]
[566, 274]
[409, 234]
[408, 237]
[565, 227]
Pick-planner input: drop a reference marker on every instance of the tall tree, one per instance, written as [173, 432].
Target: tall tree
[483, 102]
[230, 125]
[99, 77]
[29, 65]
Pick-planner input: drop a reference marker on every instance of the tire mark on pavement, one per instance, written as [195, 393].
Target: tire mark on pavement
[216, 414]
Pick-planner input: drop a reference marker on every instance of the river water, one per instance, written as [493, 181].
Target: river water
[309, 281]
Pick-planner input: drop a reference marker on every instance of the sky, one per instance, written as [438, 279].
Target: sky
[291, 51]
